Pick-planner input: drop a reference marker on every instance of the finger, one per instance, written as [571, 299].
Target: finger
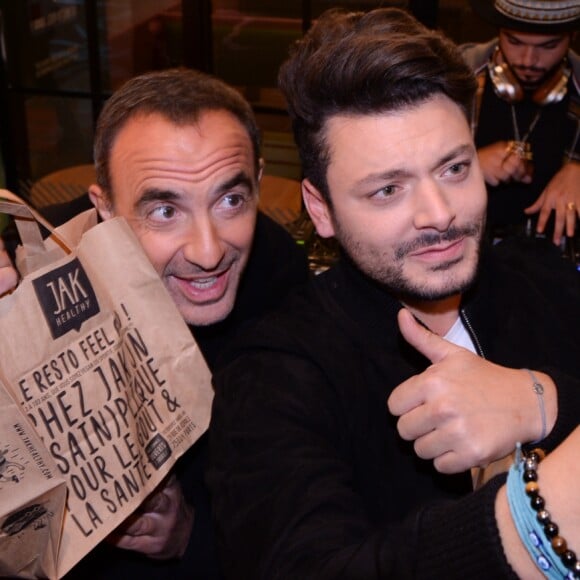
[136, 525]
[8, 274]
[570, 222]
[513, 167]
[559, 225]
[431, 445]
[147, 545]
[159, 499]
[426, 342]
[156, 502]
[8, 279]
[450, 462]
[536, 206]
[543, 217]
[406, 397]
[415, 423]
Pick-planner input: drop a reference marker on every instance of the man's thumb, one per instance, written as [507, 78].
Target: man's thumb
[426, 342]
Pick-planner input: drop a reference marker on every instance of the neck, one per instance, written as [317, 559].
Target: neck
[439, 316]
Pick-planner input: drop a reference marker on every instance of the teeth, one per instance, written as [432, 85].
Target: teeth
[204, 283]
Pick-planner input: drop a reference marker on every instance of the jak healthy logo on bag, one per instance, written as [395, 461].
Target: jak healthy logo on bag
[67, 297]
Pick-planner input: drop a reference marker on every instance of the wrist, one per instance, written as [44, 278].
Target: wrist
[542, 405]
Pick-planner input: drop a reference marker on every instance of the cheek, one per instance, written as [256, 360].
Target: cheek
[238, 233]
[480, 202]
[159, 249]
[375, 230]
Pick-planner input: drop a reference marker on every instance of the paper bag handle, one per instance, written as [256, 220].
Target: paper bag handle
[27, 222]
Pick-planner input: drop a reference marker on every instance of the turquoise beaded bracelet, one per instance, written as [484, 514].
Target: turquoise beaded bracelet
[537, 531]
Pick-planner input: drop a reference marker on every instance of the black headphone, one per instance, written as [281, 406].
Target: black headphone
[508, 88]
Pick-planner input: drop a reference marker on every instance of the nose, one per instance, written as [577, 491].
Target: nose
[529, 54]
[432, 209]
[202, 244]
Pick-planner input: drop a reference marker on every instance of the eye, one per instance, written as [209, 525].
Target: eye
[551, 45]
[386, 191]
[234, 200]
[459, 169]
[162, 213]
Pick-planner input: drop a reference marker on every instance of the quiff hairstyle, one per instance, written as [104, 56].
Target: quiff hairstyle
[179, 95]
[356, 63]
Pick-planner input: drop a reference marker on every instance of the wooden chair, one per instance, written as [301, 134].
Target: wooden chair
[62, 185]
[280, 198]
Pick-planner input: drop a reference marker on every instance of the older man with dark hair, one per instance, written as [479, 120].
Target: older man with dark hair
[177, 154]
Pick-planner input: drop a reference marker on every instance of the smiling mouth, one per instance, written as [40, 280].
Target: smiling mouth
[438, 251]
[441, 247]
[207, 289]
[203, 283]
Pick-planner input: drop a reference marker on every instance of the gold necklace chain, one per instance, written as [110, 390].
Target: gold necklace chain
[520, 145]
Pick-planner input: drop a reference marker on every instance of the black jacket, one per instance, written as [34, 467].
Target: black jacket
[308, 474]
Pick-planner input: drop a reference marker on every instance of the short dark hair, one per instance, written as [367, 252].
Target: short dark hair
[179, 95]
[365, 63]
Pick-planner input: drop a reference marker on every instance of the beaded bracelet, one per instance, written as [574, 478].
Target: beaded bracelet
[537, 531]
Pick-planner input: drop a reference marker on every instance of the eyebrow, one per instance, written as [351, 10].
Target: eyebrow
[399, 173]
[553, 40]
[155, 194]
[454, 153]
[241, 178]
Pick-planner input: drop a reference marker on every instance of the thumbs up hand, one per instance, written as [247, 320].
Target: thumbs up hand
[464, 411]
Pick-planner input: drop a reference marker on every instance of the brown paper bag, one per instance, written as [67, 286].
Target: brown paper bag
[32, 498]
[96, 354]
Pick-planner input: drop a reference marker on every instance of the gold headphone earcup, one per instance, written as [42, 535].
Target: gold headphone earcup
[505, 84]
[554, 89]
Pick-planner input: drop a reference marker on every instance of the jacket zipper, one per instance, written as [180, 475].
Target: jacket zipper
[472, 334]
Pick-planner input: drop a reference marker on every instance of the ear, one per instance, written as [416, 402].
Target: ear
[261, 165]
[318, 209]
[101, 202]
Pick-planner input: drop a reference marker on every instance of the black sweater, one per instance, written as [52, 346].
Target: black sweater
[308, 474]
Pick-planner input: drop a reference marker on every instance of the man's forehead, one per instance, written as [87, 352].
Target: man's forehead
[153, 137]
[152, 150]
[533, 38]
[342, 125]
[408, 139]
[142, 120]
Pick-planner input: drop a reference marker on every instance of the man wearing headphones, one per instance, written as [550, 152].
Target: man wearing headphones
[527, 116]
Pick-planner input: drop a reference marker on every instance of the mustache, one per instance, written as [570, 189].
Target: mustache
[532, 69]
[426, 240]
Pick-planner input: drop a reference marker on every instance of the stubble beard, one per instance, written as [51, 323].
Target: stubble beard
[387, 267]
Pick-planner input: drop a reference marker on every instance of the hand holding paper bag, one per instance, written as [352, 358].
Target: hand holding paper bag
[161, 527]
[8, 275]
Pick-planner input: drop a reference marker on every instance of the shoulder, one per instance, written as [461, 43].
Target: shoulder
[292, 325]
[476, 55]
[275, 252]
[276, 266]
[574, 59]
[301, 326]
[270, 232]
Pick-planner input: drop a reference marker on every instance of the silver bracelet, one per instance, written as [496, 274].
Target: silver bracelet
[539, 390]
